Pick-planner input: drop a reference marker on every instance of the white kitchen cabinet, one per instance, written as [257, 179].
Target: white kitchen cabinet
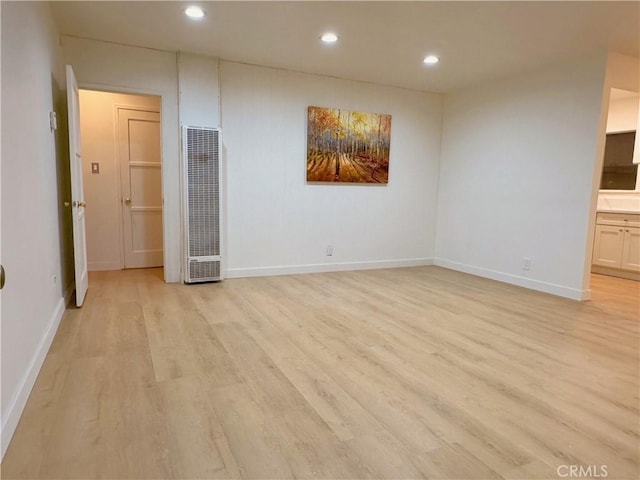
[616, 247]
[631, 249]
[607, 246]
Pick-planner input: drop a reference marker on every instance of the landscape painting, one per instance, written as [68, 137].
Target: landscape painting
[346, 146]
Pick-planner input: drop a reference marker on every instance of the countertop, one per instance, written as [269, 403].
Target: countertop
[626, 212]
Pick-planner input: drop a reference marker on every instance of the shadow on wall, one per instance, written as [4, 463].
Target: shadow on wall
[63, 175]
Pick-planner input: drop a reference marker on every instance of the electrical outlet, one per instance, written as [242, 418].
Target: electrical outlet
[526, 263]
[329, 250]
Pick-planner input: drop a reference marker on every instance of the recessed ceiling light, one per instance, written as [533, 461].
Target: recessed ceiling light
[329, 37]
[194, 12]
[431, 60]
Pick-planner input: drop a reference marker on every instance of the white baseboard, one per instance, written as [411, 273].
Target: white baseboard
[560, 290]
[103, 266]
[19, 400]
[616, 272]
[325, 267]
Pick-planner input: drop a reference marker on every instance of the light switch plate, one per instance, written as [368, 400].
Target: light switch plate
[95, 167]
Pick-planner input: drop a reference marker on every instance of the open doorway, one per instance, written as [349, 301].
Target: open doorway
[616, 246]
[122, 173]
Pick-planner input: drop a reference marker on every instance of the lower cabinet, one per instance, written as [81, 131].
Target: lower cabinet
[607, 246]
[617, 243]
[631, 249]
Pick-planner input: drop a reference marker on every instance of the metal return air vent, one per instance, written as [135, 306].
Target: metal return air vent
[201, 152]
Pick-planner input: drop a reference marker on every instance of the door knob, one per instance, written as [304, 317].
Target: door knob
[67, 204]
[127, 201]
[2, 277]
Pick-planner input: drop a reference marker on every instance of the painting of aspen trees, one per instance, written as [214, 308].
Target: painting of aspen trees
[346, 146]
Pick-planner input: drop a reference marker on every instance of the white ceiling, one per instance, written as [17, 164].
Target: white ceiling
[381, 42]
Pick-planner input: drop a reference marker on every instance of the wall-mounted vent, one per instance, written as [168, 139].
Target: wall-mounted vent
[201, 152]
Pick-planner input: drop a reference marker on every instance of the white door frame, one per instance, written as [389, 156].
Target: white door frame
[98, 87]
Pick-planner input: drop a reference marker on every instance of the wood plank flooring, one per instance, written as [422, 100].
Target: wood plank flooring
[401, 373]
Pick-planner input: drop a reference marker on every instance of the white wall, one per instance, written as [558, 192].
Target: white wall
[32, 300]
[199, 90]
[111, 67]
[516, 177]
[623, 73]
[102, 190]
[277, 223]
[200, 107]
[623, 115]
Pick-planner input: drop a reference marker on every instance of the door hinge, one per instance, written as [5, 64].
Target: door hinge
[53, 121]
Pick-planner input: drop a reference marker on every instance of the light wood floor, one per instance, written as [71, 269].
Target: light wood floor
[405, 373]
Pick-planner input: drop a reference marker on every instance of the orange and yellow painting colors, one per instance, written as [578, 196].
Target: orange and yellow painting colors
[346, 146]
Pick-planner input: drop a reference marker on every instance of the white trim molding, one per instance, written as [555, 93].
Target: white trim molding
[540, 286]
[326, 267]
[104, 266]
[19, 400]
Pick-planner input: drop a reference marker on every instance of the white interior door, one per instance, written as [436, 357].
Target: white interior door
[141, 178]
[77, 195]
